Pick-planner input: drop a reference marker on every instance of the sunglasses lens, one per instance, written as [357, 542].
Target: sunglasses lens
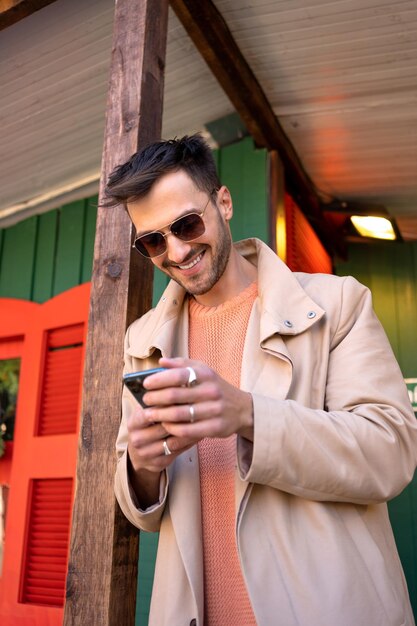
[151, 245]
[188, 227]
[185, 228]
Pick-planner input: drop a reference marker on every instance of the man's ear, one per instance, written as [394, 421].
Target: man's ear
[224, 202]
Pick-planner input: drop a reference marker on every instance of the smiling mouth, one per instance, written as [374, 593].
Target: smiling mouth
[190, 265]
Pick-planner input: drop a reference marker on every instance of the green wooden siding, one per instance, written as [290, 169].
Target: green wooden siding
[68, 253]
[17, 256]
[390, 272]
[44, 261]
[244, 171]
[148, 545]
[48, 254]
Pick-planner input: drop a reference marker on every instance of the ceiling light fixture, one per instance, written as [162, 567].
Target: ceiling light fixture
[377, 227]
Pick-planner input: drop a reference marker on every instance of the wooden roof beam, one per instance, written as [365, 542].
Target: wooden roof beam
[11, 11]
[210, 34]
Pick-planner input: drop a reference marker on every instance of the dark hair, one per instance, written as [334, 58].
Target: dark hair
[135, 178]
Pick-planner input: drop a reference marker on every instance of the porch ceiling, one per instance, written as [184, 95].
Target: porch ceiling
[341, 76]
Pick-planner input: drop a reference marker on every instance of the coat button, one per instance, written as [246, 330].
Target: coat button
[193, 622]
[287, 323]
[311, 314]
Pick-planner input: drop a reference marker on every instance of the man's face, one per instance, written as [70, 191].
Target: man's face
[196, 265]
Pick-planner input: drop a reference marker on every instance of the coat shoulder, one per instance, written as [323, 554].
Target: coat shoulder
[327, 289]
[344, 299]
[140, 324]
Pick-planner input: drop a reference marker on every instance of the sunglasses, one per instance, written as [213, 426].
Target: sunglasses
[186, 228]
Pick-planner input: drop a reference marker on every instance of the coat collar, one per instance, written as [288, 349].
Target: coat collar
[158, 326]
[286, 309]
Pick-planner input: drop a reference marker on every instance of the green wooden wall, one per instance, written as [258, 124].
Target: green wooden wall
[49, 253]
[390, 271]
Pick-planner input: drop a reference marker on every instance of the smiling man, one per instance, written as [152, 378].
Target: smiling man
[280, 427]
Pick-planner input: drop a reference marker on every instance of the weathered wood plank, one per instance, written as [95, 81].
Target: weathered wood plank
[212, 37]
[11, 11]
[101, 585]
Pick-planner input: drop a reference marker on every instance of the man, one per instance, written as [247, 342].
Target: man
[278, 430]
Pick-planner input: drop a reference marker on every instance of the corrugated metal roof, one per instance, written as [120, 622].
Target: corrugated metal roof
[341, 76]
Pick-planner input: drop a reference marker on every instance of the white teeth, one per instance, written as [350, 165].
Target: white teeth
[190, 265]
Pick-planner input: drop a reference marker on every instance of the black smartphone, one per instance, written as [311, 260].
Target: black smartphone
[134, 382]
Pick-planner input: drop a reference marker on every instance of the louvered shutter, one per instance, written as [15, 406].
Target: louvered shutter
[305, 252]
[32, 586]
[61, 381]
[47, 541]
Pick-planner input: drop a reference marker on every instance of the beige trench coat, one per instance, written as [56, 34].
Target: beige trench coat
[334, 439]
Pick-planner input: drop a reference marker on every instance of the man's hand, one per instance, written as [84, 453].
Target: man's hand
[146, 443]
[181, 415]
[210, 408]
[147, 457]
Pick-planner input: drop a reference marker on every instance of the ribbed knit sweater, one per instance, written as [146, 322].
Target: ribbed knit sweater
[216, 337]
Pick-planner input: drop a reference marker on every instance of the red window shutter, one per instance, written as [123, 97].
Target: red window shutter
[47, 542]
[305, 252]
[32, 583]
[61, 381]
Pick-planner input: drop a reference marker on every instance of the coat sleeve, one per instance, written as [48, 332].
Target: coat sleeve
[361, 447]
[146, 519]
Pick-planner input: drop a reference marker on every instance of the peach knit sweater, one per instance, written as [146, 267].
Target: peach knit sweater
[216, 337]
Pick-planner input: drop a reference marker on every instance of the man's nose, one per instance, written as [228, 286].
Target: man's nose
[177, 250]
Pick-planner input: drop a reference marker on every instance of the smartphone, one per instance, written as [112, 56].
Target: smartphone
[134, 382]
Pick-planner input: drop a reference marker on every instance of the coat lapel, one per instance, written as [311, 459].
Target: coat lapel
[259, 375]
[185, 511]
[282, 309]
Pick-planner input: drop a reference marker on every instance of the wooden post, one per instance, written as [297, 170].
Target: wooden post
[102, 572]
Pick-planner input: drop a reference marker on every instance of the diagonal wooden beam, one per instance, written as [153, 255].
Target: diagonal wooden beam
[102, 570]
[212, 37]
[11, 11]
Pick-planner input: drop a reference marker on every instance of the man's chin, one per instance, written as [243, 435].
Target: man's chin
[194, 289]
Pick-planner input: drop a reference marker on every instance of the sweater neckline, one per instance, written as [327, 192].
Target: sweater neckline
[197, 310]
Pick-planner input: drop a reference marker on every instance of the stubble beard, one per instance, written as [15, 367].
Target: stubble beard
[221, 255]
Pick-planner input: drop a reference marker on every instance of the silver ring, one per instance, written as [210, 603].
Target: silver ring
[192, 413]
[167, 451]
[192, 377]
